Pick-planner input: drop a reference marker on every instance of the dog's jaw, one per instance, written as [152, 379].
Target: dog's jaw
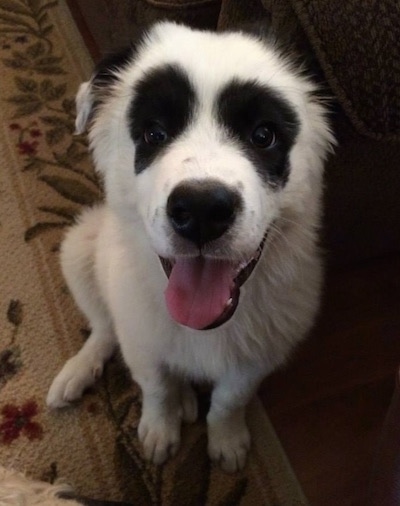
[203, 293]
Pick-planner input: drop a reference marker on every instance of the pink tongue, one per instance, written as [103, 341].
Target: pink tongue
[198, 291]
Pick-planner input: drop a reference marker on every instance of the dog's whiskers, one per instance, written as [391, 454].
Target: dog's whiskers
[275, 229]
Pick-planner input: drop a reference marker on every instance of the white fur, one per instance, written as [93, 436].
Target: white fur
[18, 489]
[110, 257]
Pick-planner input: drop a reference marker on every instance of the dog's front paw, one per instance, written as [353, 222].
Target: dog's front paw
[76, 376]
[160, 437]
[228, 445]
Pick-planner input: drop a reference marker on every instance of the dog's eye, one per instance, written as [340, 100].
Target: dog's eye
[263, 137]
[155, 135]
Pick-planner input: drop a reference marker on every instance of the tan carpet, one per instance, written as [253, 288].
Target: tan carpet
[45, 177]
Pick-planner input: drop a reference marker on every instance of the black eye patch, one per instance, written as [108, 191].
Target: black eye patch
[164, 100]
[263, 122]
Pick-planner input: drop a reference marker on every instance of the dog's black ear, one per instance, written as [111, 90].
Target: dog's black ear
[266, 32]
[104, 74]
[106, 70]
[259, 30]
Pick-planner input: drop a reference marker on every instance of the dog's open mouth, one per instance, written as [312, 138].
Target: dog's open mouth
[203, 293]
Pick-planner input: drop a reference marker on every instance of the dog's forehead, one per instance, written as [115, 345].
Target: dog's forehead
[211, 60]
[215, 88]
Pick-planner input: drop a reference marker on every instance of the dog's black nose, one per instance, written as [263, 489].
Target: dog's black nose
[202, 211]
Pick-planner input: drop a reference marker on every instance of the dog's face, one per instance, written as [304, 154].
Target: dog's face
[208, 138]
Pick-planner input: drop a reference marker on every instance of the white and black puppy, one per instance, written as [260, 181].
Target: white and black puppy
[202, 263]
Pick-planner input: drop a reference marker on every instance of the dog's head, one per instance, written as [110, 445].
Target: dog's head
[207, 138]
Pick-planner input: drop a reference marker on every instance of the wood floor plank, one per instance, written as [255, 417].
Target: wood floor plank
[329, 403]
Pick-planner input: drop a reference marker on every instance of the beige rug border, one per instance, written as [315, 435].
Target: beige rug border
[266, 449]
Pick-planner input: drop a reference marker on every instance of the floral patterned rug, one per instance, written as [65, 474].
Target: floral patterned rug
[45, 178]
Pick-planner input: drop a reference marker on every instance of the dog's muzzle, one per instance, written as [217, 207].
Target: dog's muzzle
[203, 292]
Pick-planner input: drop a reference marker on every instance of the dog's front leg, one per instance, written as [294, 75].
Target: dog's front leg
[160, 423]
[228, 435]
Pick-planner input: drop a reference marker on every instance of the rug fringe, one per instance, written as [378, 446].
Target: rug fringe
[16, 489]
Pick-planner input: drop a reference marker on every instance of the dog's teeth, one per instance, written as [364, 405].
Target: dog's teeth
[229, 302]
[243, 265]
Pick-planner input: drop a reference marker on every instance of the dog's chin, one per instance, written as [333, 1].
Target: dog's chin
[203, 293]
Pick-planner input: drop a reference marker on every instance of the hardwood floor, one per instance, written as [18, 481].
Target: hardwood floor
[329, 403]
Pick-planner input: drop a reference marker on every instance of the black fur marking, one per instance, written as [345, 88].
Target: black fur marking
[245, 105]
[165, 98]
[104, 72]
